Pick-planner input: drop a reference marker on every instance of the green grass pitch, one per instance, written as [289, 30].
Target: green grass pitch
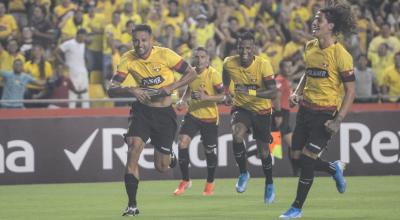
[366, 198]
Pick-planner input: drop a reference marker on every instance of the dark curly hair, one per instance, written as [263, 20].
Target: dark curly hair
[340, 15]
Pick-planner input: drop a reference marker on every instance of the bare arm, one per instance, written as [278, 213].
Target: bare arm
[350, 91]
[58, 53]
[332, 126]
[188, 76]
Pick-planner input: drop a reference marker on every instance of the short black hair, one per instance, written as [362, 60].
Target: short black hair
[173, 1]
[201, 49]
[283, 61]
[81, 31]
[247, 35]
[142, 27]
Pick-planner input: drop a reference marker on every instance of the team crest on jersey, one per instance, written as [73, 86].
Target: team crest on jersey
[151, 81]
[317, 73]
[156, 68]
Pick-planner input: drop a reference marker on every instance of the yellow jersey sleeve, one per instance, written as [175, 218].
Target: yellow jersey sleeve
[174, 61]
[122, 68]
[345, 65]
[216, 80]
[268, 72]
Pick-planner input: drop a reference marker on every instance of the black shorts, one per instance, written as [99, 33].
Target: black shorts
[259, 124]
[158, 124]
[285, 126]
[310, 130]
[208, 130]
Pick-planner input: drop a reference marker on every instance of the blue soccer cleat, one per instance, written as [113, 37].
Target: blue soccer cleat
[292, 212]
[242, 182]
[338, 177]
[269, 193]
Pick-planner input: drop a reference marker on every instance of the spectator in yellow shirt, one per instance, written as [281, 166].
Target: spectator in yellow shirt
[40, 69]
[391, 80]
[384, 37]
[64, 11]
[8, 56]
[202, 30]
[111, 41]
[155, 18]
[94, 49]
[73, 24]
[381, 61]
[8, 25]
[129, 15]
[173, 16]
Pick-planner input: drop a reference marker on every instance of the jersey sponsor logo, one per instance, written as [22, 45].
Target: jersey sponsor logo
[317, 73]
[247, 86]
[151, 81]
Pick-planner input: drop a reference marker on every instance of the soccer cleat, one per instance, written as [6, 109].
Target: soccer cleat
[174, 161]
[242, 182]
[338, 177]
[209, 189]
[131, 211]
[183, 185]
[292, 212]
[269, 193]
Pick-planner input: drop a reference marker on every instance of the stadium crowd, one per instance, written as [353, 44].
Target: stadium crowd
[36, 31]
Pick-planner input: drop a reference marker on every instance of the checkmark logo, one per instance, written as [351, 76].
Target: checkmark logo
[78, 157]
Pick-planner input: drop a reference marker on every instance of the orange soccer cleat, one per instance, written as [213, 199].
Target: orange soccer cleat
[183, 185]
[209, 189]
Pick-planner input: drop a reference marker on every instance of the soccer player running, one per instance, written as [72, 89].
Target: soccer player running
[254, 88]
[202, 116]
[328, 67]
[152, 116]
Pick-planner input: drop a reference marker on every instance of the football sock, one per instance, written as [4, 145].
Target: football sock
[211, 158]
[305, 180]
[267, 168]
[321, 165]
[183, 155]
[131, 185]
[239, 151]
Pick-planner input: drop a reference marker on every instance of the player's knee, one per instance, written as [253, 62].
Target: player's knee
[161, 166]
[239, 132]
[238, 136]
[184, 142]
